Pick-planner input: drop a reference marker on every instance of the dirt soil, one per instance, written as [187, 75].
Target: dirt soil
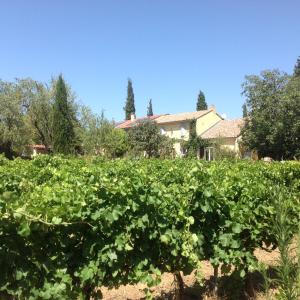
[166, 289]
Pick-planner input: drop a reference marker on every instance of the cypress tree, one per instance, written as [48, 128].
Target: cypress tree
[63, 128]
[150, 109]
[129, 105]
[297, 68]
[245, 112]
[201, 103]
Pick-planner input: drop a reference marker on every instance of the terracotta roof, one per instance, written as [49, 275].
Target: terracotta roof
[182, 116]
[128, 123]
[224, 128]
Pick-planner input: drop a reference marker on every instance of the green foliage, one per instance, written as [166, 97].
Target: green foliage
[166, 147]
[26, 114]
[99, 136]
[146, 140]
[221, 152]
[116, 143]
[63, 118]
[273, 125]
[13, 132]
[245, 111]
[201, 103]
[288, 268]
[129, 105]
[69, 225]
[297, 68]
[194, 143]
[150, 109]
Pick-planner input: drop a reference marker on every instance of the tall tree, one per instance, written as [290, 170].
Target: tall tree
[245, 112]
[99, 135]
[63, 118]
[37, 99]
[14, 135]
[297, 68]
[273, 126]
[129, 105]
[201, 103]
[150, 109]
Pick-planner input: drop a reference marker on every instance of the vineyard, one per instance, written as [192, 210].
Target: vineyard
[68, 226]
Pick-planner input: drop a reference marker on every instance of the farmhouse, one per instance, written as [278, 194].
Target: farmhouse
[209, 125]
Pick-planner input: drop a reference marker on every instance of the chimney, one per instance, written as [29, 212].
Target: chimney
[212, 107]
[132, 117]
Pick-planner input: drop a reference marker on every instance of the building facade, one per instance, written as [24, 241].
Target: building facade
[209, 126]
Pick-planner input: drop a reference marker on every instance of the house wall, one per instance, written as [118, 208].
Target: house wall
[177, 149]
[176, 130]
[206, 121]
[231, 144]
[180, 130]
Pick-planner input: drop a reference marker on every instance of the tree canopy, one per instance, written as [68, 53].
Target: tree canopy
[245, 111]
[273, 123]
[13, 130]
[150, 109]
[297, 68]
[63, 118]
[129, 105]
[145, 139]
[99, 135]
[201, 102]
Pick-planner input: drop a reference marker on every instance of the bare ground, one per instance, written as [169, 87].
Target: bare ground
[229, 289]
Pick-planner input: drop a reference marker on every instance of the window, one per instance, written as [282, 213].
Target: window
[209, 153]
[182, 131]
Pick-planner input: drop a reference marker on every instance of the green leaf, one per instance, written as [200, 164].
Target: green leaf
[145, 218]
[112, 256]
[164, 239]
[128, 247]
[237, 228]
[242, 273]
[56, 220]
[24, 230]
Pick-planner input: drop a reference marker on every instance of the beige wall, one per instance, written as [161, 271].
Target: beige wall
[177, 149]
[178, 130]
[228, 143]
[206, 122]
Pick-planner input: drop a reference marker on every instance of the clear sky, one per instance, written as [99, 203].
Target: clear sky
[169, 48]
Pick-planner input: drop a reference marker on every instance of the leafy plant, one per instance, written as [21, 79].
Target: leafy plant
[69, 226]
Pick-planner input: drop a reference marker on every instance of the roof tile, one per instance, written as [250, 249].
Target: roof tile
[182, 116]
[224, 128]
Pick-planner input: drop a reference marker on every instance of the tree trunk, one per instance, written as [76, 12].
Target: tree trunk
[215, 281]
[249, 288]
[6, 148]
[179, 285]
[87, 291]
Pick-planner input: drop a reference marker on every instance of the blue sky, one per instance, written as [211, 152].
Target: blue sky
[169, 48]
